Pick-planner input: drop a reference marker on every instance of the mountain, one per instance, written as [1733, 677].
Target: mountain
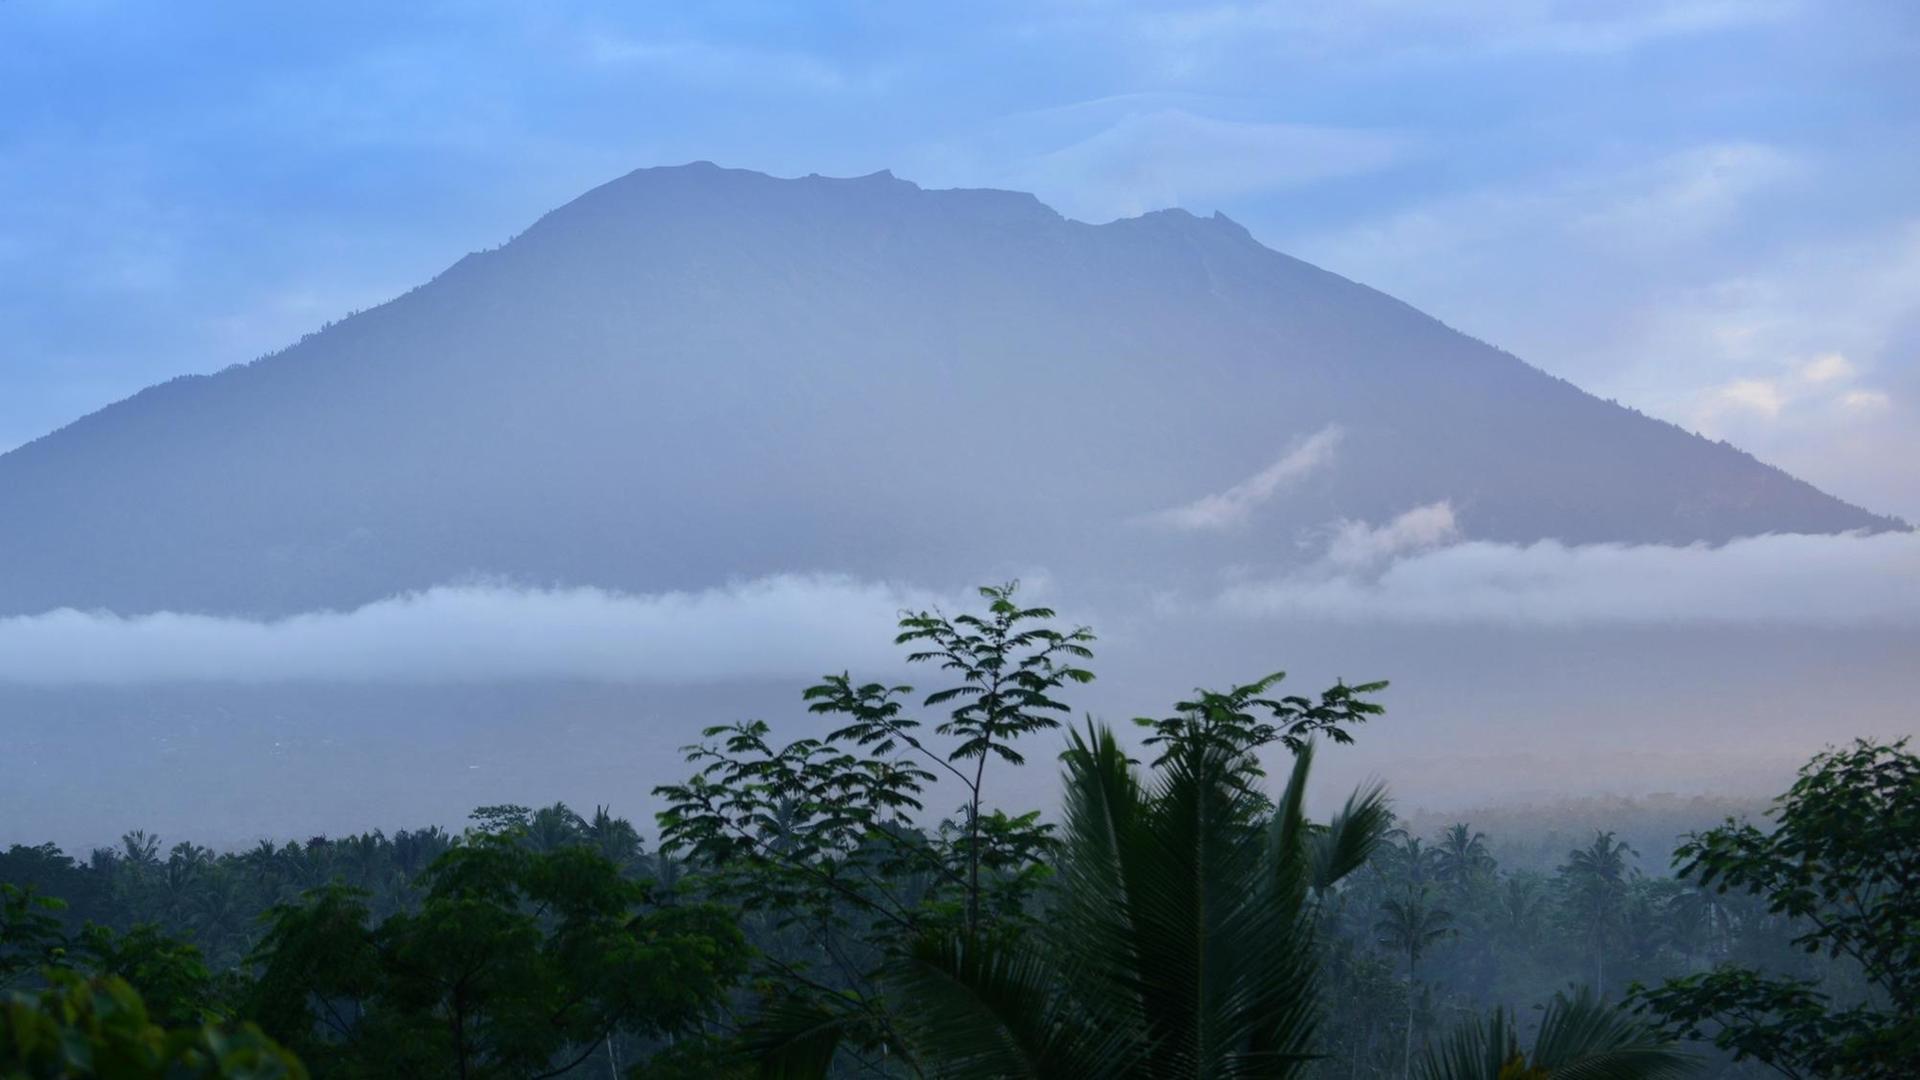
[696, 373]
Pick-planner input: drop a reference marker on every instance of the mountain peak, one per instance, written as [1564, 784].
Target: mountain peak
[696, 373]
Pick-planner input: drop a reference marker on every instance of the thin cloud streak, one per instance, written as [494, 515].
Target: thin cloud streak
[1790, 580]
[1232, 508]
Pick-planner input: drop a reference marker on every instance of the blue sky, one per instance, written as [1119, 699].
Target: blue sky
[1708, 209]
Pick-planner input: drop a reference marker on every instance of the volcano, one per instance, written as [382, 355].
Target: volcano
[692, 374]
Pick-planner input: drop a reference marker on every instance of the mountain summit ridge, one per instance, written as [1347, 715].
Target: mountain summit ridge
[694, 373]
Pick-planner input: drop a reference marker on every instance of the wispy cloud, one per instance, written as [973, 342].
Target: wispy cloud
[1637, 209]
[1449, 28]
[778, 627]
[1788, 580]
[1231, 508]
[1164, 157]
[726, 64]
[1357, 544]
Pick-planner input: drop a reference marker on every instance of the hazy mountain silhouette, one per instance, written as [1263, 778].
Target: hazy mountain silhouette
[694, 373]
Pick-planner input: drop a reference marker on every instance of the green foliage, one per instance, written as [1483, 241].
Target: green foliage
[1579, 1038]
[821, 839]
[1843, 862]
[1245, 718]
[1009, 665]
[871, 919]
[30, 931]
[1595, 884]
[172, 978]
[517, 963]
[100, 1028]
[1411, 924]
[1178, 943]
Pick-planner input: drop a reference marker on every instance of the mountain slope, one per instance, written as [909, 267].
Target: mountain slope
[694, 373]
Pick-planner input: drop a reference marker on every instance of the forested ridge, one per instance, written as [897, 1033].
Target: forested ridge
[805, 908]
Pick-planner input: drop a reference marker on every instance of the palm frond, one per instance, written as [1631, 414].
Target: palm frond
[1580, 1038]
[1101, 849]
[1290, 828]
[1199, 908]
[1583, 1038]
[797, 1038]
[1478, 1049]
[1351, 838]
[985, 1009]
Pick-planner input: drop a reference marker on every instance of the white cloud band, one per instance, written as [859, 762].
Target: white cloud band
[777, 627]
[1789, 579]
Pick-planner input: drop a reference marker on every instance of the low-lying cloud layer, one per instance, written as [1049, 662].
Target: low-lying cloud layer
[1791, 580]
[1411, 570]
[777, 627]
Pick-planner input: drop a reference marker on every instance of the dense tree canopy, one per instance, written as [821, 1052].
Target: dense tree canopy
[1842, 861]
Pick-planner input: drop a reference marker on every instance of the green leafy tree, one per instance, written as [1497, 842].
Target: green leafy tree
[1009, 665]
[99, 1027]
[30, 932]
[1843, 863]
[819, 840]
[518, 963]
[174, 983]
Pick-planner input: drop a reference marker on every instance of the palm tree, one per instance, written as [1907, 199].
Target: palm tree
[1521, 907]
[1461, 859]
[1180, 943]
[414, 851]
[1579, 1039]
[555, 827]
[1596, 878]
[614, 838]
[1409, 927]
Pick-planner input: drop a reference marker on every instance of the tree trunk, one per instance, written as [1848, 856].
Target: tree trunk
[1412, 980]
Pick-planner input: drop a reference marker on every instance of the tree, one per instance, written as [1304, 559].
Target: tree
[1521, 907]
[1579, 1037]
[518, 963]
[174, 984]
[30, 933]
[1843, 861]
[1180, 941]
[819, 839]
[1410, 925]
[1595, 882]
[1461, 860]
[100, 1028]
[1010, 665]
